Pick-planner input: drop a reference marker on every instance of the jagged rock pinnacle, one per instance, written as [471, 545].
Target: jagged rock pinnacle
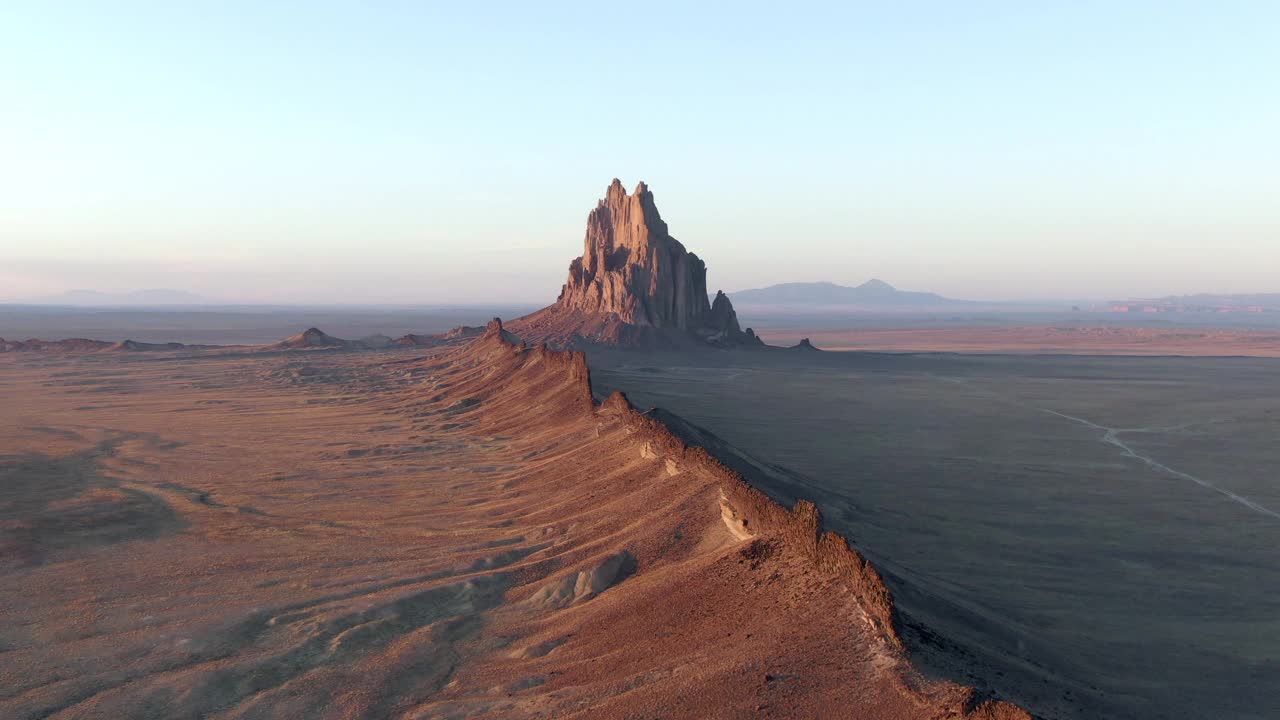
[631, 266]
[635, 282]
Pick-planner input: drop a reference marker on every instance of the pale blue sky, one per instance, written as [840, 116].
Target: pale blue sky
[437, 152]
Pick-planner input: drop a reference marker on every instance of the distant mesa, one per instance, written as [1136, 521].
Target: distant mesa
[135, 346]
[315, 338]
[412, 340]
[85, 345]
[463, 332]
[68, 345]
[452, 337]
[634, 285]
[311, 338]
[873, 292]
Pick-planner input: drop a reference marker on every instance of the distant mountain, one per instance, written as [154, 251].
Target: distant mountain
[871, 292]
[157, 296]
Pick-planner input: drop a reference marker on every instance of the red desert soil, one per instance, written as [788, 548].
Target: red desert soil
[1038, 340]
[409, 534]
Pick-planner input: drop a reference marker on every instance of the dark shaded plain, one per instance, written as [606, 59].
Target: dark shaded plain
[1031, 553]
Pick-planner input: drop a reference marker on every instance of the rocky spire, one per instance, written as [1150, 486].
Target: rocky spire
[722, 316]
[631, 266]
[635, 284]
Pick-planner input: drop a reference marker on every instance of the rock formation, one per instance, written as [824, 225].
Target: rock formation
[494, 329]
[38, 345]
[85, 345]
[310, 338]
[804, 344]
[635, 284]
[135, 346]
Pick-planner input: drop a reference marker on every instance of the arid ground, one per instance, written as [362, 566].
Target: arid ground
[410, 533]
[1092, 536]
[1039, 339]
[443, 533]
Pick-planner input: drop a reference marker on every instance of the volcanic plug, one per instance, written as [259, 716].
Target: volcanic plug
[635, 285]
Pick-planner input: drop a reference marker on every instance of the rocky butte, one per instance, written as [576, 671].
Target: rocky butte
[635, 285]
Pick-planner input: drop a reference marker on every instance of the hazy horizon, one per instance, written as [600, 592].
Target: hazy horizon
[304, 154]
[159, 298]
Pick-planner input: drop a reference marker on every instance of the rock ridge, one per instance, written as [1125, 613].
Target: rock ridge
[519, 370]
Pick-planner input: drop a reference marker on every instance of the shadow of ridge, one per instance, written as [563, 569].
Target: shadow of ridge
[55, 506]
[783, 486]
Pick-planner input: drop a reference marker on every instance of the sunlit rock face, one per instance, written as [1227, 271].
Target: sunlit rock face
[633, 271]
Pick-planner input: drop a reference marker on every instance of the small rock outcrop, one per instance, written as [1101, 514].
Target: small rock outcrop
[38, 345]
[804, 344]
[135, 346]
[452, 337]
[494, 329]
[412, 340]
[463, 332]
[635, 284]
[311, 338]
[578, 587]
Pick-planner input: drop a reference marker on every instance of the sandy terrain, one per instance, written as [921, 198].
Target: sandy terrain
[417, 533]
[1070, 340]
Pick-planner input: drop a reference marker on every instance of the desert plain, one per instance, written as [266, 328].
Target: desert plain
[426, 532]
[627, 504]
[1090, 536]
